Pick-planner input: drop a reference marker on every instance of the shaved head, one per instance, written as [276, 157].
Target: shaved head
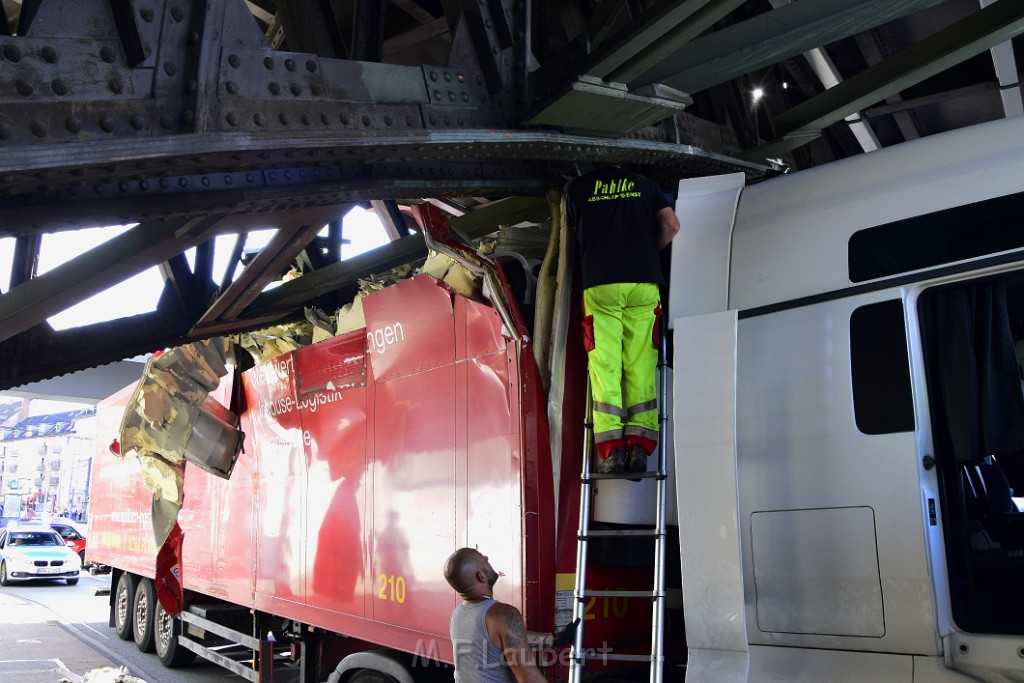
[461, 567]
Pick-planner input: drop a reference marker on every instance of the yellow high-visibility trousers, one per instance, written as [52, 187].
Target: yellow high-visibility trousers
[621, 335]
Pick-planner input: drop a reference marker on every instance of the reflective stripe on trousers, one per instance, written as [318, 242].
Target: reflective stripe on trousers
[619, 332]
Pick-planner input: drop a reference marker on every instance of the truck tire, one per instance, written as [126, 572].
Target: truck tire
[166, 630]
[123, 606]
[142, 615]
[71, 582]
[4, 581]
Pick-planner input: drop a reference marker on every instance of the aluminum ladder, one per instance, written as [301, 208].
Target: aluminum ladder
[577, 654]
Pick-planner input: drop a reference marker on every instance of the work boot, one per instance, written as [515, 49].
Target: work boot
[615, 463]
[637, 459]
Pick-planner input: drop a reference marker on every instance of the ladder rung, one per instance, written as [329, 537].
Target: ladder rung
[594, 533]
[620, 594]
[598, 656]
[624, 475]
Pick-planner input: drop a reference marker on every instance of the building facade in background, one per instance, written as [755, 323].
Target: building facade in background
[45, 462]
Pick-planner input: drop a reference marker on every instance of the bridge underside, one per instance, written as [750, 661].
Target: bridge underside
[196, 120]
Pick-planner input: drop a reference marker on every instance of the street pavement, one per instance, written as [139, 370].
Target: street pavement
[31, 634]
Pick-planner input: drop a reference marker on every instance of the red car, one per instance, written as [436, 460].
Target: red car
[73, 535]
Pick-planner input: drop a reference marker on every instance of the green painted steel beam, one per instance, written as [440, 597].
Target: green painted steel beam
[768, 39]
[132, 252]
[665, 23]
[952, 45]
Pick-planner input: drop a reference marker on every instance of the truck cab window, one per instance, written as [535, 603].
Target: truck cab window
[970, 333]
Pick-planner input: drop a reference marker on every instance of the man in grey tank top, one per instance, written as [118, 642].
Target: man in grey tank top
[488, 637]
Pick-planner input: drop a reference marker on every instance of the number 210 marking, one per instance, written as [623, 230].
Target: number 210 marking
[391, 588]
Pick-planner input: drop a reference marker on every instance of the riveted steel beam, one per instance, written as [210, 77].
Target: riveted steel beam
[41, 353]
[145, 245]
[769, 38]
[976, 33]
[267, 267]
[391, 218]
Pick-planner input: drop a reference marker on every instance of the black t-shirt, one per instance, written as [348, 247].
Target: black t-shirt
[613, 211]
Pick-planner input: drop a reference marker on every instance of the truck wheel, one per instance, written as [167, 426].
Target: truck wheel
[4, 581]
[145, 597]
[123, 607]
[166, 630]
[71, 582]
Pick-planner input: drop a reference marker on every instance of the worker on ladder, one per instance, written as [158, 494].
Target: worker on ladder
[622, 222]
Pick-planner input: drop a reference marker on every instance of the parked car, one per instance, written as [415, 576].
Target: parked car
[73, 535]
[36, 552]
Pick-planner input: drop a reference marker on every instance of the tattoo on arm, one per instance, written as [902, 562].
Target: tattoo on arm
[515, 629]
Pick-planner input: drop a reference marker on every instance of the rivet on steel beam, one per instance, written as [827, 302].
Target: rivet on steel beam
[437, 94]
[325, 119]
[465, 97]
[433, 76]
[166, 121]
[289, 64]
[248, 177]
[305, 118]
[143, 184]
[315, 90]
[59, 87]
[164, 183]
[147, 14]
[49, 54]
[138, 121]
[234, 60]
[447, 120]
[268, 62]
[451, 96]
[345, 119]
[24, 87]
[106, 124]
[432, 119]
[116, 86]
[296, 89]
[98, 189]
[183, 182]
[73, 124]
[228, 180]
[274, 88]
[310, 66]
[177, 14]
[123, 186]
[388, 120]
[367, 120]
[287, 175]
[231, 87]
[408, 120]
[107, 55]
[170, 68]
[232, 118]
[205, 181]
[39, 129]
[271, 175]
[284, 118]
[12, 53]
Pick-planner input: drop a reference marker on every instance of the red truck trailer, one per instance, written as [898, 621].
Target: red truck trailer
[368, 459]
